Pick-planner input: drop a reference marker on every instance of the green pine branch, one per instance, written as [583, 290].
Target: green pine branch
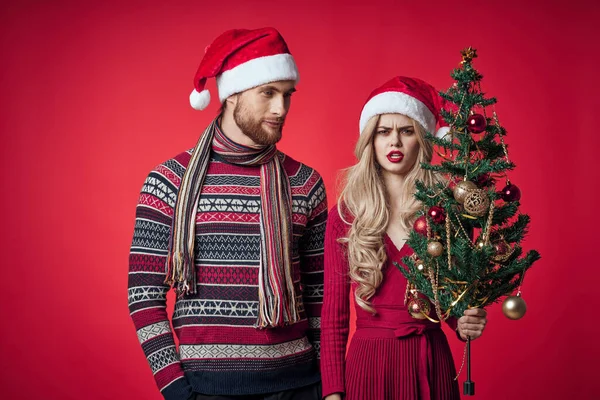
[515, 232]
[504, 212]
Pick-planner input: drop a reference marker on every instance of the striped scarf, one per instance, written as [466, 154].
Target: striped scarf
[277, 304]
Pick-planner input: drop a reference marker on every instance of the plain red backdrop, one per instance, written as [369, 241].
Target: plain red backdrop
[95, 94]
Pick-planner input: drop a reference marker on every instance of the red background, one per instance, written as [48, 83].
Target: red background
[95, 94]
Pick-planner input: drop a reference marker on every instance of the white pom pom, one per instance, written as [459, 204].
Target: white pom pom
[443, 133]
[199, 101]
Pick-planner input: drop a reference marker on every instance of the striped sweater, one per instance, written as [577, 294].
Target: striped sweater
[220, 352]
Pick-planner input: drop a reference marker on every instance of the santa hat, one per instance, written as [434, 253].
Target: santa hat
[242, 59]
[412, 97]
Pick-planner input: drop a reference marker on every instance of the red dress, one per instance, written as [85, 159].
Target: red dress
[392, 356]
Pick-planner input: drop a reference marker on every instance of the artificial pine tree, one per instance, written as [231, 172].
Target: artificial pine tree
[467, 242]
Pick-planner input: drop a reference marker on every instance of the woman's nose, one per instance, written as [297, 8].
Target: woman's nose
[395, 139]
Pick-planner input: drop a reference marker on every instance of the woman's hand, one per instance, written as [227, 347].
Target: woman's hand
[335, 396]
[472, 323]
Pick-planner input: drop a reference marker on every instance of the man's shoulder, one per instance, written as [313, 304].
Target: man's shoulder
[299, 173]
[173, 168]
[182, 159]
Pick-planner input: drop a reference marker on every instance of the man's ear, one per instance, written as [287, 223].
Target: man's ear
[232, 100]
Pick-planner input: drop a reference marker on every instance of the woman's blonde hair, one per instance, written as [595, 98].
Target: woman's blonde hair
[364, 198]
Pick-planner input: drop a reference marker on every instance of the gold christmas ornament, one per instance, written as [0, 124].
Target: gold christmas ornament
[462, 189]
[477, 202]
[514, 307]
[418, 308]
[434, 248]
[468, 55]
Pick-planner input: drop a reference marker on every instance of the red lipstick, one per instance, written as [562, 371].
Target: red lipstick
[395, 156]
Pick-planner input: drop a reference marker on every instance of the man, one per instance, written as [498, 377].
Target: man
[237, 228]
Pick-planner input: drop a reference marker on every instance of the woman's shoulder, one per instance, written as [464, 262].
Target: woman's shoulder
[339, 221]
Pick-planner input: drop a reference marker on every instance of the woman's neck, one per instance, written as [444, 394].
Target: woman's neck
[394, 190]
[394, 185]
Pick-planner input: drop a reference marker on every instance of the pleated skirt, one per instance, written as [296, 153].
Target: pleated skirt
[388, 368]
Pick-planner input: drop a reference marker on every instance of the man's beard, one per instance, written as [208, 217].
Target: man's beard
[253, 128]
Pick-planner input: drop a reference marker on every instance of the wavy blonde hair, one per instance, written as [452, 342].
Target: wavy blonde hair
[365, 199]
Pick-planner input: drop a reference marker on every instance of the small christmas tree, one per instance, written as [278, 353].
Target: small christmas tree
[467, 242]
[467, 250]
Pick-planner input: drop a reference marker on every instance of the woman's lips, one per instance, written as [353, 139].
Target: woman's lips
[395, 156]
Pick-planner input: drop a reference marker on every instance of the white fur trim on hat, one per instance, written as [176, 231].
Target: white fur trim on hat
[397, 103]
[256, 72]
[199, 101]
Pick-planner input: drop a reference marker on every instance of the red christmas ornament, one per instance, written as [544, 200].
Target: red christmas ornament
[501, 248]
[476, 123]
[510, 193]
[420, 225]
[437, 214]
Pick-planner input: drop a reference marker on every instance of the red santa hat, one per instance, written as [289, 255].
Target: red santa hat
[412, 97]
[242, 59]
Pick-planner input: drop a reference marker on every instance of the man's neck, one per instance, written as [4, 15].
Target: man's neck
[233, 131]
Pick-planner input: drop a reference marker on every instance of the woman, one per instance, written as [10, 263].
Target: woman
[392, 355]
